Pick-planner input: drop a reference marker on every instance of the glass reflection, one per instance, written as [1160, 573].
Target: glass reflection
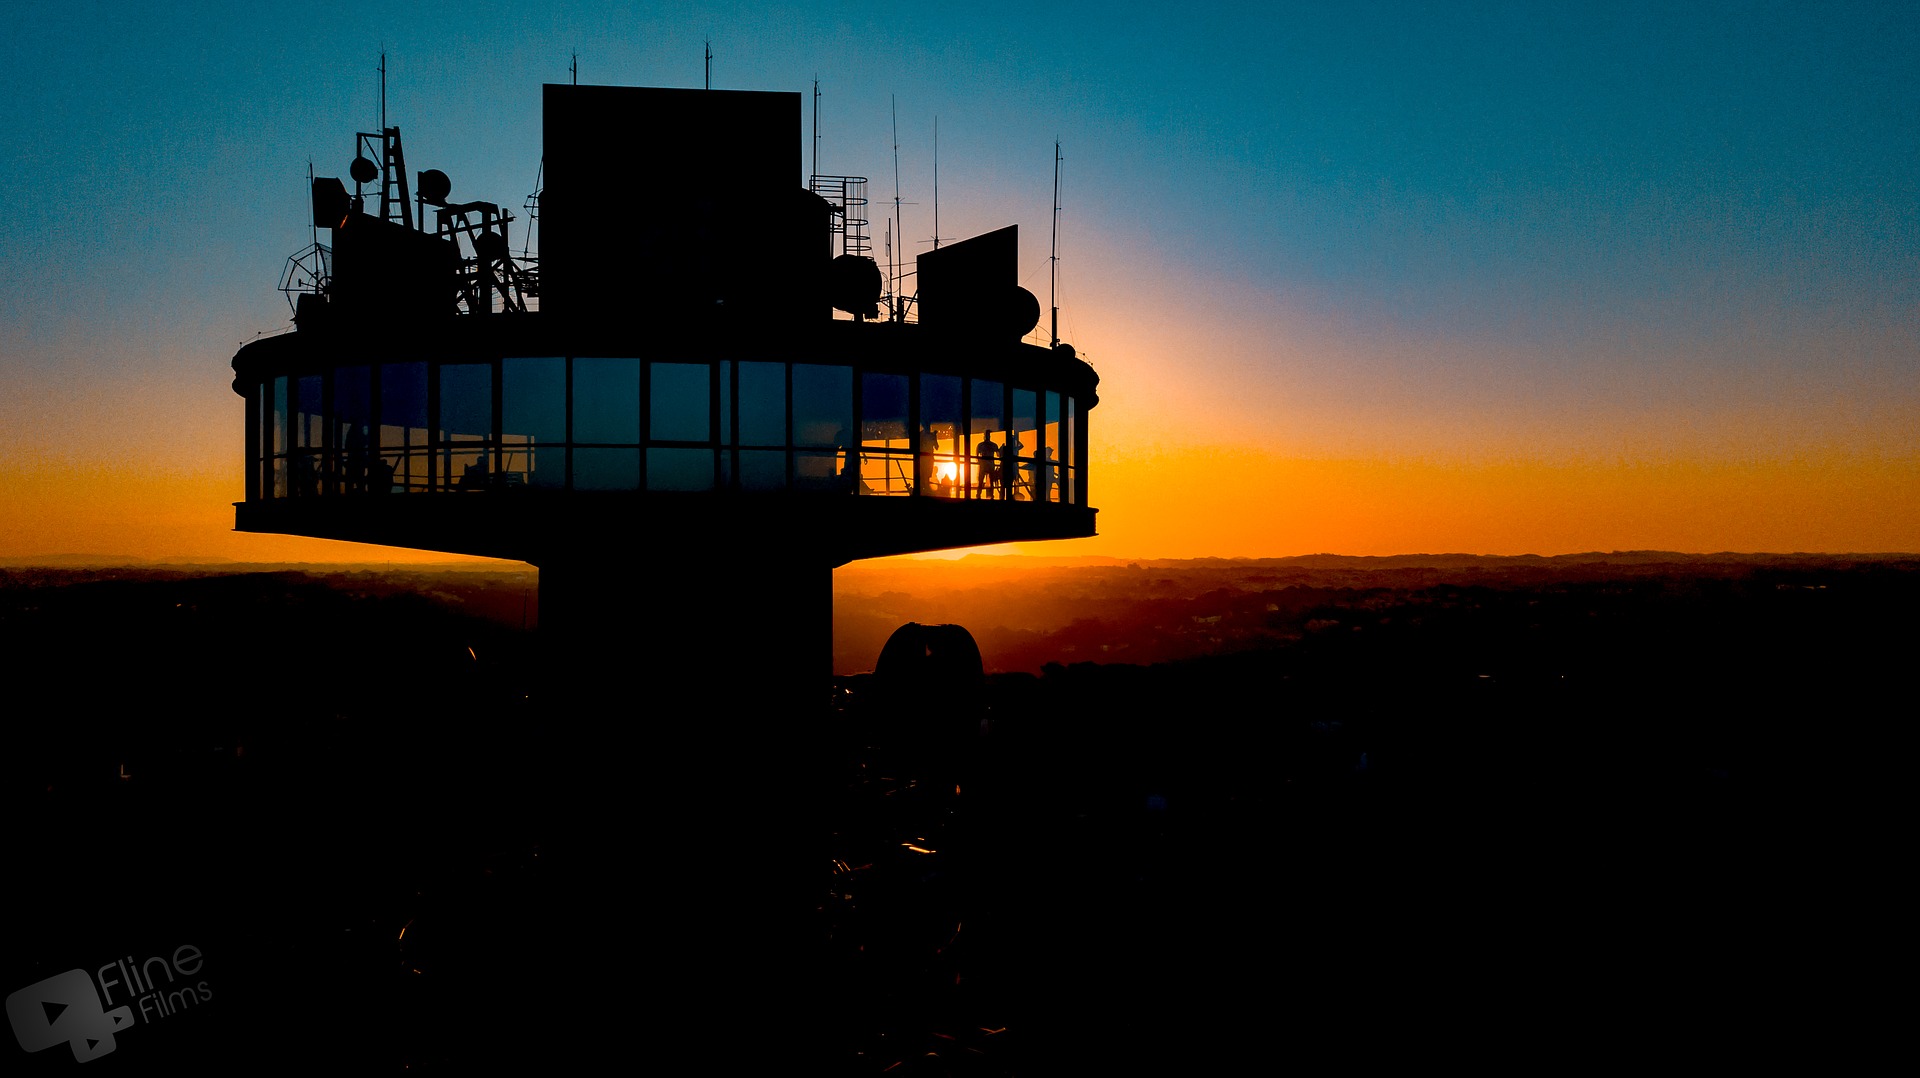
[466, 426]
[533, 422]
[942, 437]
[681, 402]
[606, 402]
[886, 446]
[578, 424]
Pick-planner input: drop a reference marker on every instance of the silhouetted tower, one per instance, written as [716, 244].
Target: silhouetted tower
[663, 415]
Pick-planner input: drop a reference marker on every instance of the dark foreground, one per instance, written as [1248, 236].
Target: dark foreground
[1506, 827]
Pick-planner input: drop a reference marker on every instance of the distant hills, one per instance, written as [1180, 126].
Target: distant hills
[1022, 561]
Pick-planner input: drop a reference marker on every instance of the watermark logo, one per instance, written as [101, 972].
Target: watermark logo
[66, 1007]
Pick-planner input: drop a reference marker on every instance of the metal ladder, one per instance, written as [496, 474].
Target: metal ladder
[849, 195]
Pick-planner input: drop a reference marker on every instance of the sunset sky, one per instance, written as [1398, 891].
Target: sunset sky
[1362, 279]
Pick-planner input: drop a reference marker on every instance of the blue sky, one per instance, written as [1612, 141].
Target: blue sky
[1460, 232]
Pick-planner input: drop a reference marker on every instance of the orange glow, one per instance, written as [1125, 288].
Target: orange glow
[1175, 502]
[1222, 502]
[119, 510]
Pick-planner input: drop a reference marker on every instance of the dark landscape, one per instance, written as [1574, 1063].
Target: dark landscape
[1509, 810]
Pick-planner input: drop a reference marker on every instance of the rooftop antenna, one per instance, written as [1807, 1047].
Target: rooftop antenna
[1053, 257]
[893, 268]
[709, 65]
[313, 216]
[936, 185]
[815, 171]
[390, 168]
[532, 204]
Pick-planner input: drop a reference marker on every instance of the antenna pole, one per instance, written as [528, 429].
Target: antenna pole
[893, 267]
[709, 65]
[383, 92]
[573, 69]
[816, 130]
[936, 183]
[1053, 257]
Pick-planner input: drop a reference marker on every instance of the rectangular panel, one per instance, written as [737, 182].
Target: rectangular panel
[822, 405]
[763, 404]
[943, 461]
[606, 469]
[680, 469]
[533, 422]
[763, 469]
[606, 401]
[680, 402]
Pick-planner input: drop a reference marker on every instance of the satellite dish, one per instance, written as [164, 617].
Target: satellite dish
[854, 284]
[490, 246]
[434, 187]
[363, 170]
[1022, 311]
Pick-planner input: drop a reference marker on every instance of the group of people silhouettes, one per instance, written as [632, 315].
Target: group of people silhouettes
[1001, 473]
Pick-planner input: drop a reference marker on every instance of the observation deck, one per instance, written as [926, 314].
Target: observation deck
[632, 395]
[505, 437]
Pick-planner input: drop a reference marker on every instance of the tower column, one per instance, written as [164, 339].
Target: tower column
[698, 688]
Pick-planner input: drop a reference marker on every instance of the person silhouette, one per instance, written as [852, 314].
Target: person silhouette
[989, 478]
[1010, 464]
[929, 478]
[475, 476]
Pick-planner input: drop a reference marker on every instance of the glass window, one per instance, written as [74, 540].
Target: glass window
[1022, 448]
[763, 469]
[353, 425]
[763, 404]
[823, 421]
[606, 403]
[680, 404]
[280, 437]
[259, 440]
[1047, 468]
[606, 469]
[822, 405]
[988, 426]
[305, 465]
[466, 425]
[943, 455]
[886, 445]
[680, 469]
[402, 462]
[1071, 465]
[533, 422]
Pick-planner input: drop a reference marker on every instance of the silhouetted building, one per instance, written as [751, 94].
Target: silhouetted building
[661, 411]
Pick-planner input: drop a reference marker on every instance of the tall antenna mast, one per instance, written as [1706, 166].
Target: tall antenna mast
[573, 69]
[815, 171]
[709, 65]
[383, 90]
[936, 183]
[313, 220]
[1053, 256]
[893, 269]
